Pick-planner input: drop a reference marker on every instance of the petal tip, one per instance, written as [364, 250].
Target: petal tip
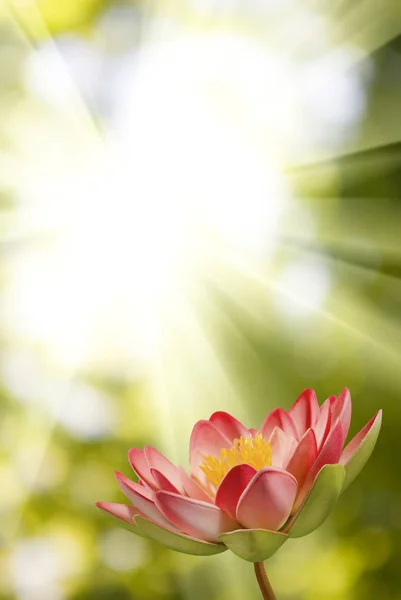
[359, 449]
[120, 477]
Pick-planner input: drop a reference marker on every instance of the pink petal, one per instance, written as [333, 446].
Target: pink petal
[124, 512]
[324, 421]
[157, 461]
[141, 498]
[331, 450]
[129, 487]
[229, 426]
[162, 482]
[192, 488]
[139, 463]
[281, 447]
[341, 409]
[144, 484]
[232, 486]
[305, 411]
[356, 441]
[156, 533]
[278, 418]
[328, 455]
[194, 517]
[292, 447]
[267, 501]
[303, 457]
[206, 440]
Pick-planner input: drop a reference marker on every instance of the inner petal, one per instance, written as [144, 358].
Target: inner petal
[254, 451]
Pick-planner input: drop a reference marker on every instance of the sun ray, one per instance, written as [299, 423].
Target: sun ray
[260, 283]
[74, 106]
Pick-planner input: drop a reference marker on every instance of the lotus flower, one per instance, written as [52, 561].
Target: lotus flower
[249, 489]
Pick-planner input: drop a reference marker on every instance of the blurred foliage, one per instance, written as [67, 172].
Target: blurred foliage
[54, 464]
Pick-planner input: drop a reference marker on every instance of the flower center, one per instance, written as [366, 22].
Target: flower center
[253, 451]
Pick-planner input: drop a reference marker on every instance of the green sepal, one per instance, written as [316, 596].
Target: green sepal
[176, 541]
[362, 455]
[254, 545]
[319, 502]
[131, 528]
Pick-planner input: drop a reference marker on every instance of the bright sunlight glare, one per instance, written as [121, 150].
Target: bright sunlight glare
[122, 233]
[187, 172]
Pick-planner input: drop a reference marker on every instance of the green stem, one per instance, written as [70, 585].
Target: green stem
[263, 581]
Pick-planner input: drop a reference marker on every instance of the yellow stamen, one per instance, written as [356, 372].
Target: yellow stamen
[255, 452]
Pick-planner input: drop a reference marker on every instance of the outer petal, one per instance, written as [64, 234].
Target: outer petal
[358, 451]
[319, 502]
[341, 409]
[232, 486]
[192, 488]
[139, 463]
[267, 500]
[303, 457]
[328, 455]
[124, 512]
[176, 541]
[229, 426]
[162, 482]
[141, 498]
[131, 489]
[194, 517]
[156, 460]
[254, 545]
[206, 440]
[278, 418]
[305, 411]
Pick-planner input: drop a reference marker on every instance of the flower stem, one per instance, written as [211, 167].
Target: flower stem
[263, 581]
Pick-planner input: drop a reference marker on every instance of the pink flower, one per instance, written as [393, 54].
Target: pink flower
[249, 489]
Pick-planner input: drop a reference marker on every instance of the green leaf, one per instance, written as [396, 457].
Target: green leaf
[319, 502]
[254, 545]
[176, 541]
[355, 465]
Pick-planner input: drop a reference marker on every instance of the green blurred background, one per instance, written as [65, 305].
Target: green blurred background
[199, 210]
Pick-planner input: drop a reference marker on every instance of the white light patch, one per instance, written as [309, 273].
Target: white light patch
[86, 413]
[199, 154]
[333, 95]
[36, 567]
[122, 551]
[49, 78]
[302, 289]
[82, 410]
